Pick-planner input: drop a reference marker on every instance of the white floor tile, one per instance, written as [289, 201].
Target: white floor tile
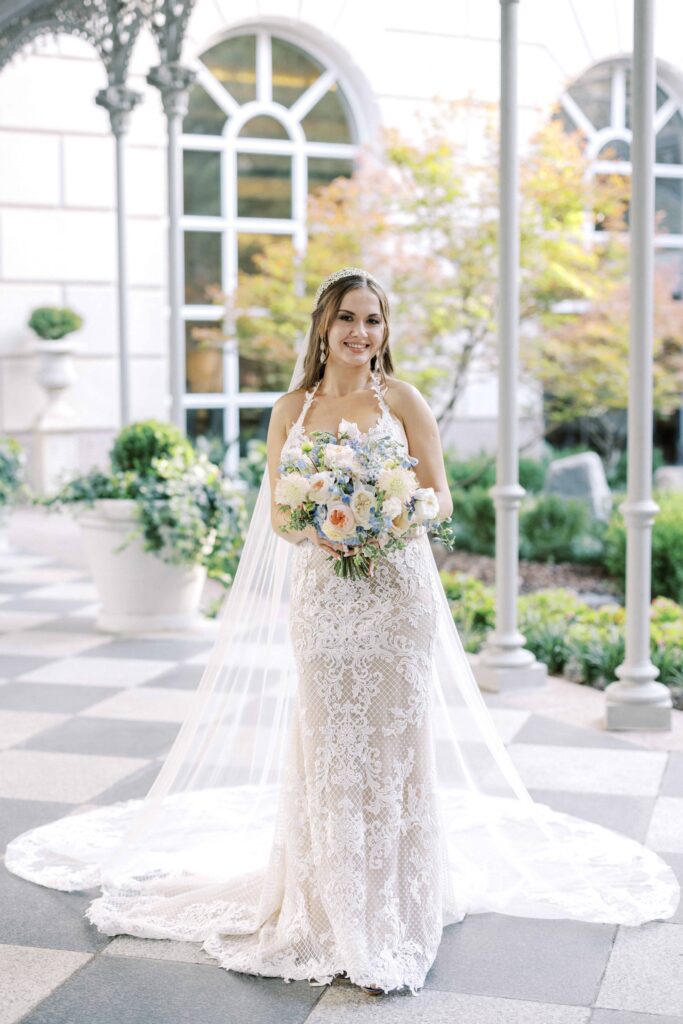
[590, 769]
[644, 970]
[666, 827]
[11, 621]
[121, 672]
[11, 561]
[28, 975]
[68, 778]
[64, 592]
[46, 644]
[145, 704]
[17, 726]
[43, 575]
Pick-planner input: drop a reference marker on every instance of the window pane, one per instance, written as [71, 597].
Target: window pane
[202, 182]
[329, 119]
[593, 94]
[263, 127]
[207, 423]
[204, 117]
[264, 370]
[249, 246]
[293, 72]
[253, 423]
[615, 149]
[264, 185]
[321, 171]
[669, 201]
[203, 358]
[670, 141]
[202, 264]
[669, 265]
[233, 63]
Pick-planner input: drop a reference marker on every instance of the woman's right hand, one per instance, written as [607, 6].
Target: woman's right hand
[322, 542]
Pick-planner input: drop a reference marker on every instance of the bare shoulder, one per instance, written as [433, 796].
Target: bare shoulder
[287, 407]
[402, 397]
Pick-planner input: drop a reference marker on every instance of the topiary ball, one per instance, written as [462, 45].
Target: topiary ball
[139, 443]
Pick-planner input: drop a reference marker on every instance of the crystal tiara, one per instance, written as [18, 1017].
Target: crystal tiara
[337, 276]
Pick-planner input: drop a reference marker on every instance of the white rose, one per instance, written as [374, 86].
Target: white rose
[340, 523]
[392, 507]
[401, 523]
[291, 489]
[341, 456]
[426, 504]
[320, 488]
[348, 429]
[398, 483]
[362, 501]
[296, 454]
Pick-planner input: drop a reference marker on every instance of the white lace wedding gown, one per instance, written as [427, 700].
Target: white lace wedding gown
[398, 809]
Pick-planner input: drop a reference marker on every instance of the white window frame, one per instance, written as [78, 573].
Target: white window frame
[229, 144]
[617, 130]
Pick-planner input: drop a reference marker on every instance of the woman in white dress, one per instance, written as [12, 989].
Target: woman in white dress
[338, 791]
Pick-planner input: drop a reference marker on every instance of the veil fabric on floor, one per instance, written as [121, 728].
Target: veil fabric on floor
[195, 851]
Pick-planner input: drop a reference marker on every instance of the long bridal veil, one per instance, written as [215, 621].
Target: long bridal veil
[193, 856]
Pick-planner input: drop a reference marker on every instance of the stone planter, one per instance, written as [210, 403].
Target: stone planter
[139, 592]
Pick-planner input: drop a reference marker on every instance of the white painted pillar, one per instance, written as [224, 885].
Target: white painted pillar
[119, 102]
[504, 663]
[637, 701]
[173, 81]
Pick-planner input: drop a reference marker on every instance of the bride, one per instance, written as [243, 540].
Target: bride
[338, 792]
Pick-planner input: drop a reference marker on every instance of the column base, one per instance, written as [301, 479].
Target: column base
[508, 678]
[637, 716]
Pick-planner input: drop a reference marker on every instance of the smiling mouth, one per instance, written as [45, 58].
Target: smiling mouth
[356, 346]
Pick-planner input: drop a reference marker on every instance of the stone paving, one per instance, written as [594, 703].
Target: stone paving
[87, 718]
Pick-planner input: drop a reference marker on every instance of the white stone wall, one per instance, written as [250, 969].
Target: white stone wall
[57, 219]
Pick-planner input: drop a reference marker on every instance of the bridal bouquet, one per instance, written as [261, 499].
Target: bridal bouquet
[358, 491]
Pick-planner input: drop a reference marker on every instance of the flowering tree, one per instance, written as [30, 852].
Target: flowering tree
[425, 221]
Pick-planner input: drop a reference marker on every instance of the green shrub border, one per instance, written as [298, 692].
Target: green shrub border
[574, 639]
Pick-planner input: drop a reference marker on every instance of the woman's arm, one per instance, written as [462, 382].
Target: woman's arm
[424, 441]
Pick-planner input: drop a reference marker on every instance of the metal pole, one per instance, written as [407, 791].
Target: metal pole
[504, 663]
[637, 701]
[119, 102]
[173, 81]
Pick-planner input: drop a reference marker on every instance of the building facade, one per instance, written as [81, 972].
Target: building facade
[286, 94]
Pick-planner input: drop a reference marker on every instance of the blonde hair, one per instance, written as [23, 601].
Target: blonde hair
[327, 308]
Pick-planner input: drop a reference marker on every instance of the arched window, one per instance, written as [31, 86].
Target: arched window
[599, 105]
[267, 123]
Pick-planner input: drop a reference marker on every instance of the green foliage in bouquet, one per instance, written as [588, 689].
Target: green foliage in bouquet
[52, 323]
[12, 465]
[188, 512]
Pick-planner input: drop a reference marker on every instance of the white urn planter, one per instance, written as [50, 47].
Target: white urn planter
[139, 592]
[55, 446]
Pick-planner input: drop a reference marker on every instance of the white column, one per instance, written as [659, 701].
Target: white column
[173, 81]
[637, 701]
[119, 102]
[504, 663]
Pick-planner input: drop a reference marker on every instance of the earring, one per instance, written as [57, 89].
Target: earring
[323, 353]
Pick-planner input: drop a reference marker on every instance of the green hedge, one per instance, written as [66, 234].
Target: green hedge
[667, 546]
[573, 639]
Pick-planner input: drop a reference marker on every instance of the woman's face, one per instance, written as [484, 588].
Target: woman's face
[356, 332]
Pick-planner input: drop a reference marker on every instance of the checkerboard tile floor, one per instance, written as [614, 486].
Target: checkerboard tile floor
[87, 718]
